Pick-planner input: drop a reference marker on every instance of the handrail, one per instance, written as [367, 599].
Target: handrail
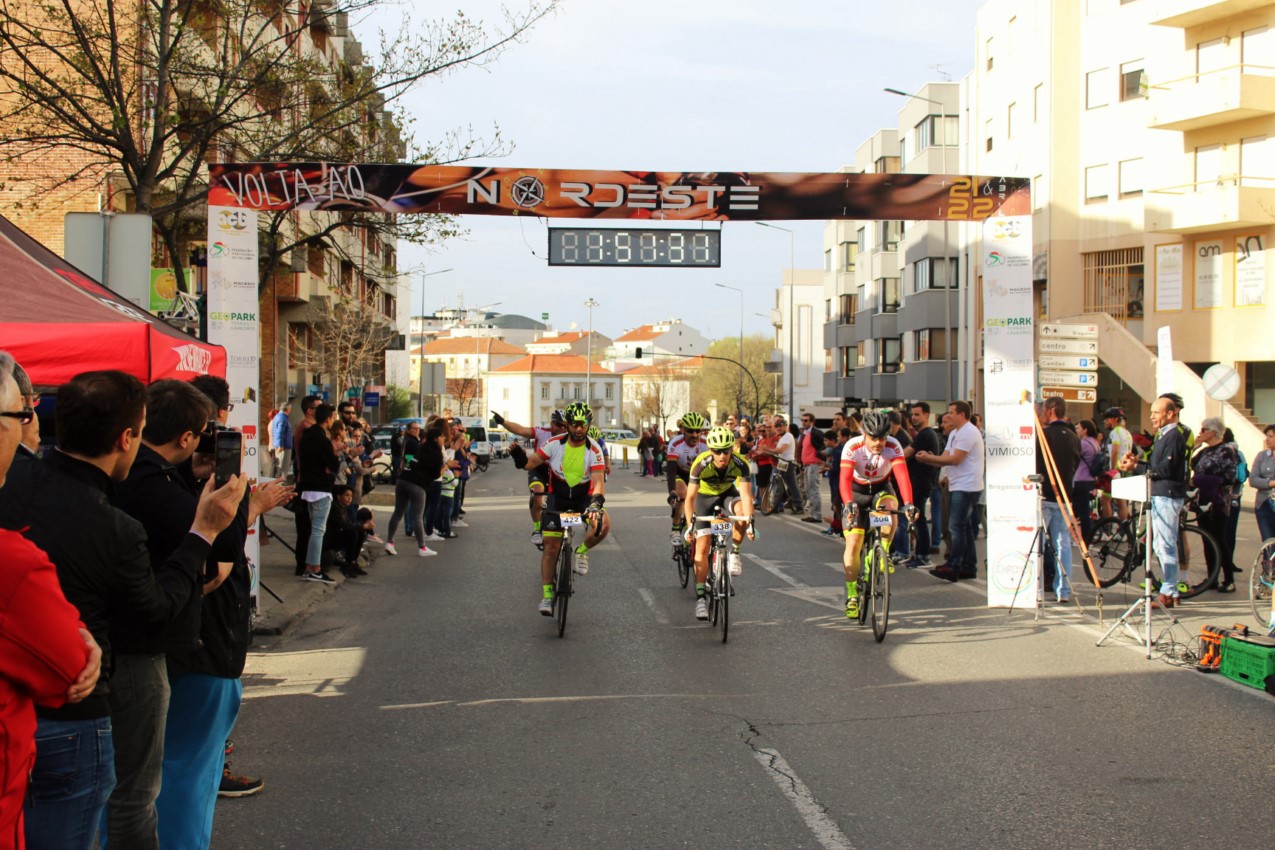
[1196, 76]
[1233, 179]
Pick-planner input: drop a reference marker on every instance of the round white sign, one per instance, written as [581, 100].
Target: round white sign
[1221, 382]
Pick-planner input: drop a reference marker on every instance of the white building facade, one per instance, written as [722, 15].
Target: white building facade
[529, 389]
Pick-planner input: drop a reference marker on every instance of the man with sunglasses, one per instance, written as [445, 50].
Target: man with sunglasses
[681, 454]
[719, 478]
[577, 484]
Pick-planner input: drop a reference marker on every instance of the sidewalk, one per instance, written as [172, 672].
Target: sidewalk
[278, 572]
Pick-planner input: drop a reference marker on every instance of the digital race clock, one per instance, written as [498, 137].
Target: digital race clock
[599, 246]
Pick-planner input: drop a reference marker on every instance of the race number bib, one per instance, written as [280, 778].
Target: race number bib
[721, 528]
[570, 520]
[878, 520]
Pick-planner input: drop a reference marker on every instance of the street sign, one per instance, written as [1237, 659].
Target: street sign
[1068, 346]
[1069, 362]
[1068, 379]
[1054, 330]
[1070, 394]
[371, 399]
[1221, 382]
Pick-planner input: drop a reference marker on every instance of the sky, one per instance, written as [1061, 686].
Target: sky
[676, 85]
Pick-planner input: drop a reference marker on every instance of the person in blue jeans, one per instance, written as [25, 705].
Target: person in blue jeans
[963, 458]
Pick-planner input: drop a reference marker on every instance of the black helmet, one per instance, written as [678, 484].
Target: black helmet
[876, 423]
[1113, 413]
[556, 418]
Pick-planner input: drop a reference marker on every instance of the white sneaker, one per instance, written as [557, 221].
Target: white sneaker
[389, 548]
[425, 552]
[459, 523]
[372, 538]
[701, 609]
[537, 539]
[676, 538]
[734, 564]
[582, 564]
[546, 607]
[435, 536]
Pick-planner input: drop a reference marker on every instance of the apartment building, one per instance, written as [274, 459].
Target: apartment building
[891, 295]
[1148, 129]
[467, 362]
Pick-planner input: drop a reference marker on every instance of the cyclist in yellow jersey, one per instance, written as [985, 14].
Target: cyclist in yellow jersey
[576, 484]
[718, 477]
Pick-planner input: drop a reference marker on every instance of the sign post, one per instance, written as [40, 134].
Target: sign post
[1068, 361]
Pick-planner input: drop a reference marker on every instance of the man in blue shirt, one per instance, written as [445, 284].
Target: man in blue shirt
[281, 439]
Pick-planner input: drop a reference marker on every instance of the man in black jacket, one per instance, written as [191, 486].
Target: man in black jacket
[1064, 446]
[63, 503]
[924, 477]
[1167, 470]
[204, 674]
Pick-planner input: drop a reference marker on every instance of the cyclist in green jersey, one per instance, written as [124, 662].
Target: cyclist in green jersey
[577, 483]
[718, 478]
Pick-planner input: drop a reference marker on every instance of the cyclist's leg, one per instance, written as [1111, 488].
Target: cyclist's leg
[552, 528]
[704, 505]
[679, 490]
[887, 501]
[856, 526]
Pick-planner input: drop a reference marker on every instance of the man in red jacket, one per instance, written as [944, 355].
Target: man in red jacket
[45, 654]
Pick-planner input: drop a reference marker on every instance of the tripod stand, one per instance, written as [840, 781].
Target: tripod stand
[1138, 491]
[1041, 545]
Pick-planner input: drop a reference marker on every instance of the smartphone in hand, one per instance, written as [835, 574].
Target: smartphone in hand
[229, 457]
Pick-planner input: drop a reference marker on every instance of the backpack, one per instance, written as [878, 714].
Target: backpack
[1101, 461]
[1241, 468]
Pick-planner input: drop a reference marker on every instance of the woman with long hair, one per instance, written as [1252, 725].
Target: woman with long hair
[1083, 483]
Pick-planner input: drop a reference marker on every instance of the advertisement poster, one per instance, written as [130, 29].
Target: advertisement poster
[233, 324]
[1009, 379]
[1168, 278]
[1250, 271]
[163, 290]
[1208, 274]
[577, 193]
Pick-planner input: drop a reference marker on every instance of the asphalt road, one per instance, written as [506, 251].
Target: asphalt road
[429, 705]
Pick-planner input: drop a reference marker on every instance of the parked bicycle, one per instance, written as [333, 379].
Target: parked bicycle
[1118, 552]
[1261, 583]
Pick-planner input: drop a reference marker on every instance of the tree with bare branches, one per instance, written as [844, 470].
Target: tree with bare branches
[135, 97]
[346, 341]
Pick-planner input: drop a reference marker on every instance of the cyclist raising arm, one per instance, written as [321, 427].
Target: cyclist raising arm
[681, 453]
[718, 478]
[537, 479]
[576, 484]
[867, 462]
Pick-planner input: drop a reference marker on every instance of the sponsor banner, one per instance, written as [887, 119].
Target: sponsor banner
[1009, 376]
[233, 324]
[1168, 278]
[1250, 271]
[575, 193]
[1208, 274]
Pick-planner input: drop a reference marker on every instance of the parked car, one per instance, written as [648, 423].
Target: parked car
[500, 440]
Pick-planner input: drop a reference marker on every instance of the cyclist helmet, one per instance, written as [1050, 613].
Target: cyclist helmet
[720, 438]
[557, 418]
[1113, 413]
[594, 433]
[876, 423]
[693, 421]
[578, 411]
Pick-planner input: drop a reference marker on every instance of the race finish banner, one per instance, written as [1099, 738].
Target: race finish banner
[572, 193]
[1009, 380]
[233, 324]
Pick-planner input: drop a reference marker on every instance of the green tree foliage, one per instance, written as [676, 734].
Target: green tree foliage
[720, 380]
[396, 403]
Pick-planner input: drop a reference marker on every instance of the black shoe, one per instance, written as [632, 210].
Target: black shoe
[1226, 587]
[945, 573]
[238, 786]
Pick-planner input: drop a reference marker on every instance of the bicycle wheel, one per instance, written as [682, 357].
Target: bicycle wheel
[1262, 582]
[562, 593]
[683, 557]
[1110, 551]
[724, 591]
[714, 580]
[1199, 560]
[865, 585]
[880, 591]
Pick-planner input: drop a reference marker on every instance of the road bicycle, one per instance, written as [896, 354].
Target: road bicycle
[1118, 552]
[563, 581]
[682, 557]
[719, 589]
[874, 573]
[1261, 584]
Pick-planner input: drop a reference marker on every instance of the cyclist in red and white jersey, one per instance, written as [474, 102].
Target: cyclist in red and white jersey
[537, 479]
[867, 463]
[678, 458]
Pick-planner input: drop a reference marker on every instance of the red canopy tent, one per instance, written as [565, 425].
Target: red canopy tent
[57, 322]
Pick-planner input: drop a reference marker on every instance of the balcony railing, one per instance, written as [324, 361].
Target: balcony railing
[1208, 99]
[1223, 202]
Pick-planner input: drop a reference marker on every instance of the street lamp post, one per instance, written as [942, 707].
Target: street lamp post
[588, 367]
[420, 381]
[947, 249]
[792, 318]
[740, 394]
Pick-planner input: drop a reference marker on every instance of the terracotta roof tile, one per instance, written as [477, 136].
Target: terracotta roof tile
[553, 363]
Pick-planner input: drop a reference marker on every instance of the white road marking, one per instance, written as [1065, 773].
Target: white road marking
[771, 567]
[542, 700]
[649, 598]
[825, 829]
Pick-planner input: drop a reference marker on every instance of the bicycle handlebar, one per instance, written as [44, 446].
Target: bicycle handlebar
[730, 517]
